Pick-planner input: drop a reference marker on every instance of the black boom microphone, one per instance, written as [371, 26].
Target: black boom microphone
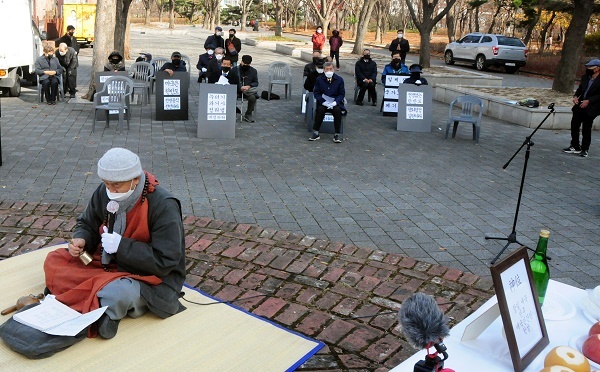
[425, 325]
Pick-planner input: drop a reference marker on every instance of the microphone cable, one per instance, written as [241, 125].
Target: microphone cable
[182, 294]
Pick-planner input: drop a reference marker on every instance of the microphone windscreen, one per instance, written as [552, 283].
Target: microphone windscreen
[422, 320]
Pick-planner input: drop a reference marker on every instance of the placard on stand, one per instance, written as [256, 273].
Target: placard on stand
[172, 95]
[414, 108]
[519, 307]
[389, 104]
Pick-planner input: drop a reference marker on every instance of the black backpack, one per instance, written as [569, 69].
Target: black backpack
[265, 95]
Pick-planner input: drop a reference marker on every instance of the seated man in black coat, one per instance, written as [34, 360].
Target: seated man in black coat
[227, 73]
[311, 78]
[365, 71]
[248, 85]
[204, 60]
[176, 64]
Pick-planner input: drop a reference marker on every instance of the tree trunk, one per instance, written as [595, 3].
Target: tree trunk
[476, 19]
[104, 33]
[121, 26]
[244, 9]
[147, 6]
[278, 13]
[572, 47]
[171, 14]
[363, 25]
[450, 26]
[159, 4]
[545, 28]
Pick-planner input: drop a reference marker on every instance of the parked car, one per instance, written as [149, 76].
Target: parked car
[485, 50]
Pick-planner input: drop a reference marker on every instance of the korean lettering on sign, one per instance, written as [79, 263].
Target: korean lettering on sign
[217, 106]
[414, 112]
[171, 87]
[172, 103]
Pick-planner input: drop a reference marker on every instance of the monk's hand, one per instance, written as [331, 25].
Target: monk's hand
[110, 242]
[76, 246]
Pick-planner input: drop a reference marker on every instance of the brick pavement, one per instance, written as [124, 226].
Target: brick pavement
[408, 193]
[325, 290]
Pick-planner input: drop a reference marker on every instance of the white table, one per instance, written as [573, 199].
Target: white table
[489, 352]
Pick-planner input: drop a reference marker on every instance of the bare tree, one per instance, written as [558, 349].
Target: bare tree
[122, 27]
[545, 27]
[324, 10]
[572, 47]
[363, 25]
[171, 14]
[425, 25]
[104, 33]
[244, 7]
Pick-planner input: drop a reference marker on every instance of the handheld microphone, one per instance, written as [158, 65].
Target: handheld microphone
[425, 325]
[112, 208]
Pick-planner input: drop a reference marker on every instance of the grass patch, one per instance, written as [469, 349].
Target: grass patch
[279, 38]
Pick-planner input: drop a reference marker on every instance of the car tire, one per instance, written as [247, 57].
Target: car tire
[448, 57]
[15, 91]
[480, 63]
[511, 69]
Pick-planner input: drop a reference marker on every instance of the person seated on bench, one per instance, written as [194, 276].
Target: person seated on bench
[396, 67]
[136, 268]
[329, 92]
[248, 85]
[176, 64]
[415, 76]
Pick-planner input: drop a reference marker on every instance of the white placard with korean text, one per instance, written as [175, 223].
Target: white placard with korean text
[394, 80]
[414, 112]
[390, 93]
[414, 108]
[390, 106]
[172, 103]
[216, 106]
[521, 307]
[414, 98]
[172, 87]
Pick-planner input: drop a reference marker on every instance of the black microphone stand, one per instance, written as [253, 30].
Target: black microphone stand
[512, 237]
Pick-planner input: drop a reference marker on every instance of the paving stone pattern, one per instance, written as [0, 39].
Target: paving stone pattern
[326, 290]
[409, 193]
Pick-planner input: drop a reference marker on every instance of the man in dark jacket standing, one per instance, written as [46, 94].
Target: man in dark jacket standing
[365, 71]
[67, 57]
[216, 39]
[400, 44]
[249, 85]
[69, 39]
[586, 101]
[48, 69]
[233, 46]
[330, 93]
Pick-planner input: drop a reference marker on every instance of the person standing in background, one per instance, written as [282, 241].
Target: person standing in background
[318, 40]
[401, 44]
[335, 43]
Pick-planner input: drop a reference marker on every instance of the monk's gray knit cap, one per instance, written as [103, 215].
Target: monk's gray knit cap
[119, 164]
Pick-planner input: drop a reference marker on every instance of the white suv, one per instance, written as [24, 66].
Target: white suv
[485, 50]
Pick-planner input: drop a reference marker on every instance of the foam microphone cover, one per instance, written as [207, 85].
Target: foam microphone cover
[422, 320]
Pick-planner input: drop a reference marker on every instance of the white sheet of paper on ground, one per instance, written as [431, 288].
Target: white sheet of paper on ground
[55, 318]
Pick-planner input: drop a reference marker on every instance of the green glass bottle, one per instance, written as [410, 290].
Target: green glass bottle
[539, 266]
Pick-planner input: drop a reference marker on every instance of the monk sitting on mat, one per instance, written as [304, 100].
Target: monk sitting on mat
[128, 256]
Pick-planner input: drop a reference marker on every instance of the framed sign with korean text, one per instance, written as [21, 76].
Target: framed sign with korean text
[520, 308]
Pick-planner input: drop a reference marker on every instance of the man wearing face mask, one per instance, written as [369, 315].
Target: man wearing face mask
[318, 40]
[586, 106]
[396, 67]
[48, 68]
[311, 66]
[249, 85]
[69, 39]
[233, 46]
[329, 92]
[67, 57]
[365, 71]
[176, 64]
[400, 44]
[137, 267]
[204, 60]
[226, 75]
[115, 62]
[311, 79]
[415, 76]
[216, 39]
[214, 66]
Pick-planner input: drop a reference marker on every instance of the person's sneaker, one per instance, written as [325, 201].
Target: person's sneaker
[374, 103]
[337, 139]
[107, 328]
[571, 150]
[359, 103]
[248, 119]
[583, 153]
[314, 137]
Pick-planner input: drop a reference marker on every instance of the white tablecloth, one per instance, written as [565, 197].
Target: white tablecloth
[489, 352]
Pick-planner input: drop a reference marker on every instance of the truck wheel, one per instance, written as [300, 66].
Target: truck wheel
[480, 63]
[15, 91]
[448, 57]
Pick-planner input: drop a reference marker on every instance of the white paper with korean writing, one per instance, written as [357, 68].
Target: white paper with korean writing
[390, 106]
[521, 307]
[414, 112]
[172, 103]
[216, 107]
[390, 93]
[414, 98]
[172, 87]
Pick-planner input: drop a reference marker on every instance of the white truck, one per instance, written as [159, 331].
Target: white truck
[20, 45]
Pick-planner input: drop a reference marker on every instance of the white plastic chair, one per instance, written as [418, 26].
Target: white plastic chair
[467, 104]
[280, 73]
[157, 63]
[141, 73]
[115, 95]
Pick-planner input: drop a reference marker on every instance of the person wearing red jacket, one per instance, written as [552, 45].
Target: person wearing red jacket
[318, 40]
